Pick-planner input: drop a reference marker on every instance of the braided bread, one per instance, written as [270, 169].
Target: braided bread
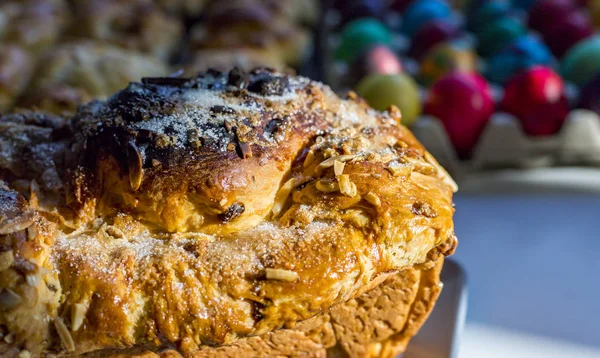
[225, 214]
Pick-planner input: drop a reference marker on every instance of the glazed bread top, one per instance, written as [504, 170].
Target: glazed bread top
[198, 211]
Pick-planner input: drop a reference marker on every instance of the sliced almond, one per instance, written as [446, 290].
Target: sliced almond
[310, 158]
[397, 169]
[135, 166]
[16, 224]
[347, 187]
[281, 275]
[64, 334]
[32, 232]
[328, 163]
[338, 167]
[327, 186]
[78, 312]
[373, 199]
[442, 172]
[281, 196]
[357, 217]
[32, 279]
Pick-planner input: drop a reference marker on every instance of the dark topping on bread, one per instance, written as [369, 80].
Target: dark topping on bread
[423, 209]
[222, 110]
[232, 212]
[165, 81]
[237, 78]
[269, 85]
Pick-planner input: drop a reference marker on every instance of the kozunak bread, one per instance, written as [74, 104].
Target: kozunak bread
[231, 214]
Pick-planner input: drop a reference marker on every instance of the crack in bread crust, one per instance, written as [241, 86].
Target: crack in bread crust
[197, 212]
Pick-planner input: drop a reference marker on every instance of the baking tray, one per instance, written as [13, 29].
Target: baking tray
[440, 335]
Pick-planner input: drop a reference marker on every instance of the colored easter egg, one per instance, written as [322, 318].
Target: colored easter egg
[463, 103]
[594, 9]
[359, 35]
[401, 5]
[378, 59]
[488, 13]
[381, 91]
[581, 62]
[523, 4]
[537, 98]
[422, 11]
[589, 97]
[498, 34]
[572, 29]
[524, 52]
[546, 13]
[431, 34]
[356, 9]
[447, 57]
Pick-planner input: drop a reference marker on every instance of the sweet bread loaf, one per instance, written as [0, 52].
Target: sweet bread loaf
[34, 25]
[139, 25]
[78, 72]
[229, 213]
[16, 69]
[251, 24]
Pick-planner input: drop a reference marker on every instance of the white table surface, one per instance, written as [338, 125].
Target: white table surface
[533, 265]
[482, 341]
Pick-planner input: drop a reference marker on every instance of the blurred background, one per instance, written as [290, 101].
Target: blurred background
[505, 94]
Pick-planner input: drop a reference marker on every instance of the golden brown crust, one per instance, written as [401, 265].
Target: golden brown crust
[231, 205]
[29, 289]
[375, 324]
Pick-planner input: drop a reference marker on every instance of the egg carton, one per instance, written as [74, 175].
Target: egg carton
[503, 144]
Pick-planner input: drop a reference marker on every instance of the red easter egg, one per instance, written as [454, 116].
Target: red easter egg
[572, 29]
[546, 13]
[463, 102]
[536, 97]
[430, 34]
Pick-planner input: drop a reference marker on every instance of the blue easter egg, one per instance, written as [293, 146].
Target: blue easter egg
[423, 11]
[522, 53]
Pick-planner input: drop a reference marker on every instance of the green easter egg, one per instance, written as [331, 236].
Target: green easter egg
[381, 91]
[359, 35]
[498, 34]
[582, 62]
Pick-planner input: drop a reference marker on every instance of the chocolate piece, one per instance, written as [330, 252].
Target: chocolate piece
[232, 212]
[269, 85]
